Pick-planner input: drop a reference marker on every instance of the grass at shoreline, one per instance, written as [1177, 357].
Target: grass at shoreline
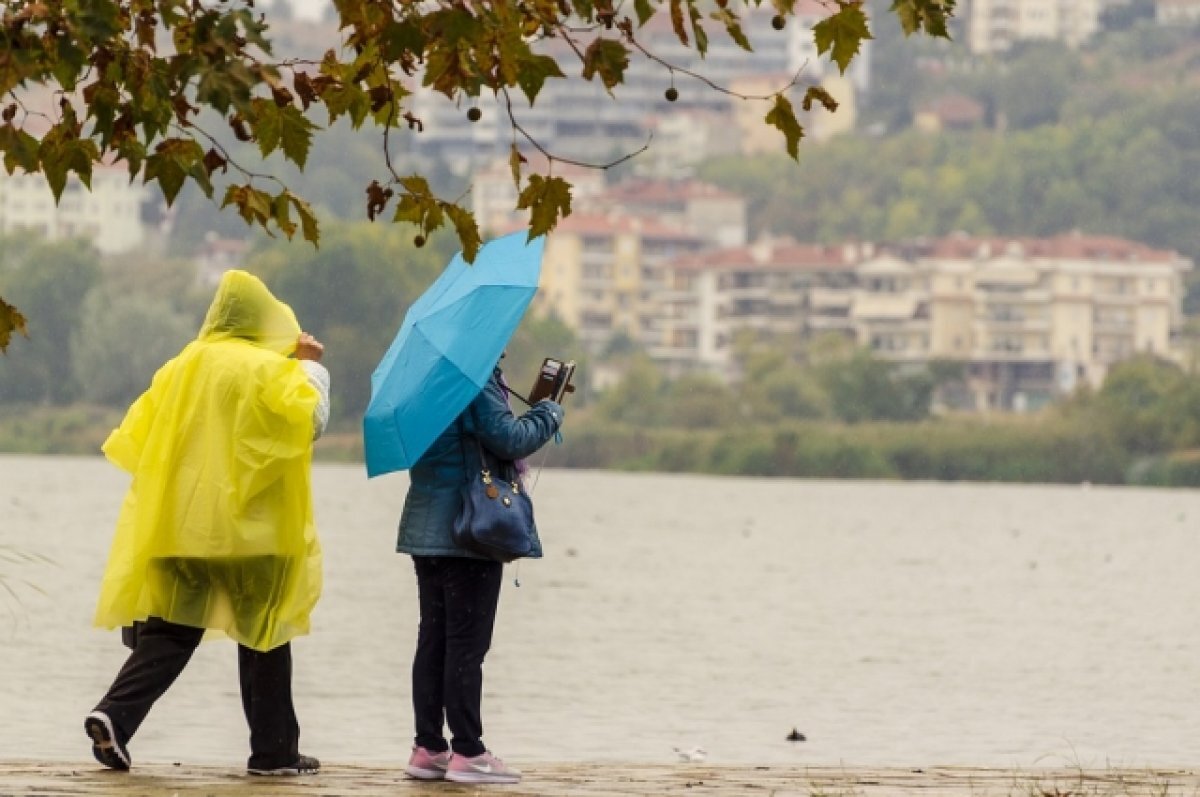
[981, 449]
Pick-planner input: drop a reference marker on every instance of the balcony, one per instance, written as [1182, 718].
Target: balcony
[1113, 326]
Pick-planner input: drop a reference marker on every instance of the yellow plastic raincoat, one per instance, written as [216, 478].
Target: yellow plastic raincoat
[216, 530]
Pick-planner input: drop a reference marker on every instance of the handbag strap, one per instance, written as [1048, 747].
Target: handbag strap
[483, 464]
[462, 448]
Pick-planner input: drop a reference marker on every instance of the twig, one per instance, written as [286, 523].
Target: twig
[551, 157]
[706, 81]
[251, 175]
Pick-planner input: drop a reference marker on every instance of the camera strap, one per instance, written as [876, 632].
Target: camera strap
[508, 389]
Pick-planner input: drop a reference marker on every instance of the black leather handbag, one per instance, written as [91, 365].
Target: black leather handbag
[496, 520]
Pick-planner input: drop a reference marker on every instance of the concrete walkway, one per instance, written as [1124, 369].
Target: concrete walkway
[85, 779]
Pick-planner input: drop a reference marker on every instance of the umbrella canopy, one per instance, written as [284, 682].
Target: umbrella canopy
[451, 339]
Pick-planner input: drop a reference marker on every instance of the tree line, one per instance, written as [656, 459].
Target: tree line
[823, 409]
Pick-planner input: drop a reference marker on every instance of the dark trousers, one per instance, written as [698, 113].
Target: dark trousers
[163, 649]
[458, 599]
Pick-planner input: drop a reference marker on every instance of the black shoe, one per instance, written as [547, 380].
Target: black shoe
[303, 765]
[105, 746]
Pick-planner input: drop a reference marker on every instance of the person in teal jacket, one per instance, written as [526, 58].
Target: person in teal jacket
[458, 591]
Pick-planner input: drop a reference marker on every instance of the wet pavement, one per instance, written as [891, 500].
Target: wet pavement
[601, 780]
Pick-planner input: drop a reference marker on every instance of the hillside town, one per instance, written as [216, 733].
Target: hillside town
[674, 264]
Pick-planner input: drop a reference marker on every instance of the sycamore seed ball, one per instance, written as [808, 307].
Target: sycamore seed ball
[777, 22]
[419, 241]
[671, 94]
[473, 114]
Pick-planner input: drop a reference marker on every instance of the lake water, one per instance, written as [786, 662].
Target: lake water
[892, 623]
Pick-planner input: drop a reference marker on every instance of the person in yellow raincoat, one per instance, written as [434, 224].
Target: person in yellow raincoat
[216, 531]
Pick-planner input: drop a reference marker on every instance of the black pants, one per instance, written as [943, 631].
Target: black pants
[163, 649]
[458, 599]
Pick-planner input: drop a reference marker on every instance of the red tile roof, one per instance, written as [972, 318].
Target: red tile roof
[778, 255]
[657, 192]
[1076, 246]
[610, 224]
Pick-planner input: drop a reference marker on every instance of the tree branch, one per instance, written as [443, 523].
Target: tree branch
[550, 157]
[249, 175]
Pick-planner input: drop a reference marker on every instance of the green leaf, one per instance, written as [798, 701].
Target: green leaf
[19, 148]
[61, 153]
[267, 124]
[416, 184]
[173, 161]
[842, 34]
[11, 321]
[295, 135]
[252, 205]
[644, 11]
[133, 152]
[928, 15]
[548, 199]
[515, 159]
[418, 205]
[783, 116]
[346, 98]
[199, 174]
[607, 58]
[408, 209]
[534, 69]
[281, 214]
[467, 229]
[701, 37]
[308, 220]
[733, 26]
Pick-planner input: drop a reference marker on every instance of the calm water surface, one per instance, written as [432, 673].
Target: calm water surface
[892, 623]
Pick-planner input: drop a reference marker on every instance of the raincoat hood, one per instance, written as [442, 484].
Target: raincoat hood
[244, 308]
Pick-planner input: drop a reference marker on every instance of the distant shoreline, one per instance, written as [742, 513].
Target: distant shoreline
[1017, 449]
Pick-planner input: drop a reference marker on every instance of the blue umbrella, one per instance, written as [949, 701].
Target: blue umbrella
[451, 339]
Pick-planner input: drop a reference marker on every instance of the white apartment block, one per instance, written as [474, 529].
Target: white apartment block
[779, 288]
[1177, 12]
[109, 215]
[1030, 319]
[994, 26]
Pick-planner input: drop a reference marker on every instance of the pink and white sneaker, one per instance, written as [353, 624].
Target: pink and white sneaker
[424, 764]
[485, 768]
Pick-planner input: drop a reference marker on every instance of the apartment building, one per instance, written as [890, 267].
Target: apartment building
[1177, 12]
[109, 215]
[1049, 314]
[713, 214]
[994, 26]
[494, 194]
[1029, 318]
[780, 289]
[602, 272]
